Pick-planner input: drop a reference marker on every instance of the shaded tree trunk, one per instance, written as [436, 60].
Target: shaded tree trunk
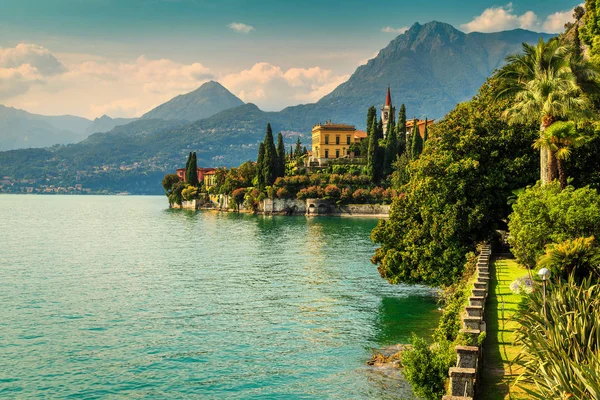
[552, 165]
[562, 174]
[544, 153]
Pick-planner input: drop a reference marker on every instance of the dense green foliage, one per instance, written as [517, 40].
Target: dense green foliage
[426, 366]
[561, 346]
[416, 147]
[578, 258]
[548, 82]
[260, 177]
[426, 369]
[373, 153]
[546, 214]
[270, 160]
[280, 171]
[456, 194]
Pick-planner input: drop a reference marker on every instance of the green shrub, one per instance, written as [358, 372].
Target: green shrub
[561, 350]
[426, 368]
[580, 257]
[546, 214]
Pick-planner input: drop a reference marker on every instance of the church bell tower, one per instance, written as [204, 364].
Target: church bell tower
[387, 112]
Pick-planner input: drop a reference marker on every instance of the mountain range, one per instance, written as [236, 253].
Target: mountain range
[430, 68]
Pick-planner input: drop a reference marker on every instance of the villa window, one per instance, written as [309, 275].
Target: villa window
[326, 139]
[337, 140]
[337, 153]
[326, 153]
[347, 139]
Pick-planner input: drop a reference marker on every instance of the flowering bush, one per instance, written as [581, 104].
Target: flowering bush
[283, 193]
[346, 195]
[332, 191]
[361, 195]
[522, 285]
[377, 194]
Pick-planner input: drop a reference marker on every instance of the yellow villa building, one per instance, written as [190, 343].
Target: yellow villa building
[331, 141]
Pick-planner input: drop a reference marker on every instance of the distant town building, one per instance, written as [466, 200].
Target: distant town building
[387, 112]
[420, 124]
[331, 141]
[209, 178]
[201, 173]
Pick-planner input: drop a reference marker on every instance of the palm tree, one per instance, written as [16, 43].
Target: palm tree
[548, 82]
[559, 139]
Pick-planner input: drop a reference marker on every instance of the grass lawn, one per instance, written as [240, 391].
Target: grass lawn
[498, 375]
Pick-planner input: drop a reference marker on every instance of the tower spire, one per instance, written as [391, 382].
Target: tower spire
[388, 97]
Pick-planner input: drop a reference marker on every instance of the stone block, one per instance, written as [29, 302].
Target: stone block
[477, 301]
[479, 292]
[467, 356]
[474, 311]
[462, 381]
[472, 322]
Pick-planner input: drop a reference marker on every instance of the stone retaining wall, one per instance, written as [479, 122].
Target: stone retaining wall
[465, 375]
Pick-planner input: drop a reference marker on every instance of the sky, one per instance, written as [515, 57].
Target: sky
[124, 57]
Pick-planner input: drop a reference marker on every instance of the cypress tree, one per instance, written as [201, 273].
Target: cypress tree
[270, 163]
[372, 153]
[425, 133]
[260, 165]
[391, 150]
[298, 149]
[379, 129]
[417, 141]
[194, 171]
[304, 151]
[187, 168]
[280, 156]
[401, 130]
[371, 115]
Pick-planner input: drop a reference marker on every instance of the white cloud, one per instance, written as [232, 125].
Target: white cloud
[92, 86]
[271, 88]
[36, 56]
[389, 29]
[240, 27]
[23, 66]
[31, 77]
[501, 18]
[555, 23]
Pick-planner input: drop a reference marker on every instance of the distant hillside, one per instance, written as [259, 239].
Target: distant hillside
[430, 69]
[21, 129]
[106, 123]
[207, 100]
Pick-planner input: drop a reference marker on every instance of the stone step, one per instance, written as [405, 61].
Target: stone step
[449, 397]
[461, 381]
[474, 311]
[471, 322]
[477, 301]
[480, 285]
[479, 292]
[466, 356]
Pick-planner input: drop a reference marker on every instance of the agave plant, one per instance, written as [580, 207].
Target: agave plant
[560, 350]
[580, 257]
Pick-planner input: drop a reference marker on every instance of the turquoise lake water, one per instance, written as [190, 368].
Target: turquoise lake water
[121, 297]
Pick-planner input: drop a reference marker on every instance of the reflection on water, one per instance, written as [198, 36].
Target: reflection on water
[118, 297]
[399, 317]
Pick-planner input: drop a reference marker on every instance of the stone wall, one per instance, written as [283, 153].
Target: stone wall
[464, 377]
[375, 210]
[284, 206]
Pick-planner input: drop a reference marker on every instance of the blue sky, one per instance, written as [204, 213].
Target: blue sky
[273, 53]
